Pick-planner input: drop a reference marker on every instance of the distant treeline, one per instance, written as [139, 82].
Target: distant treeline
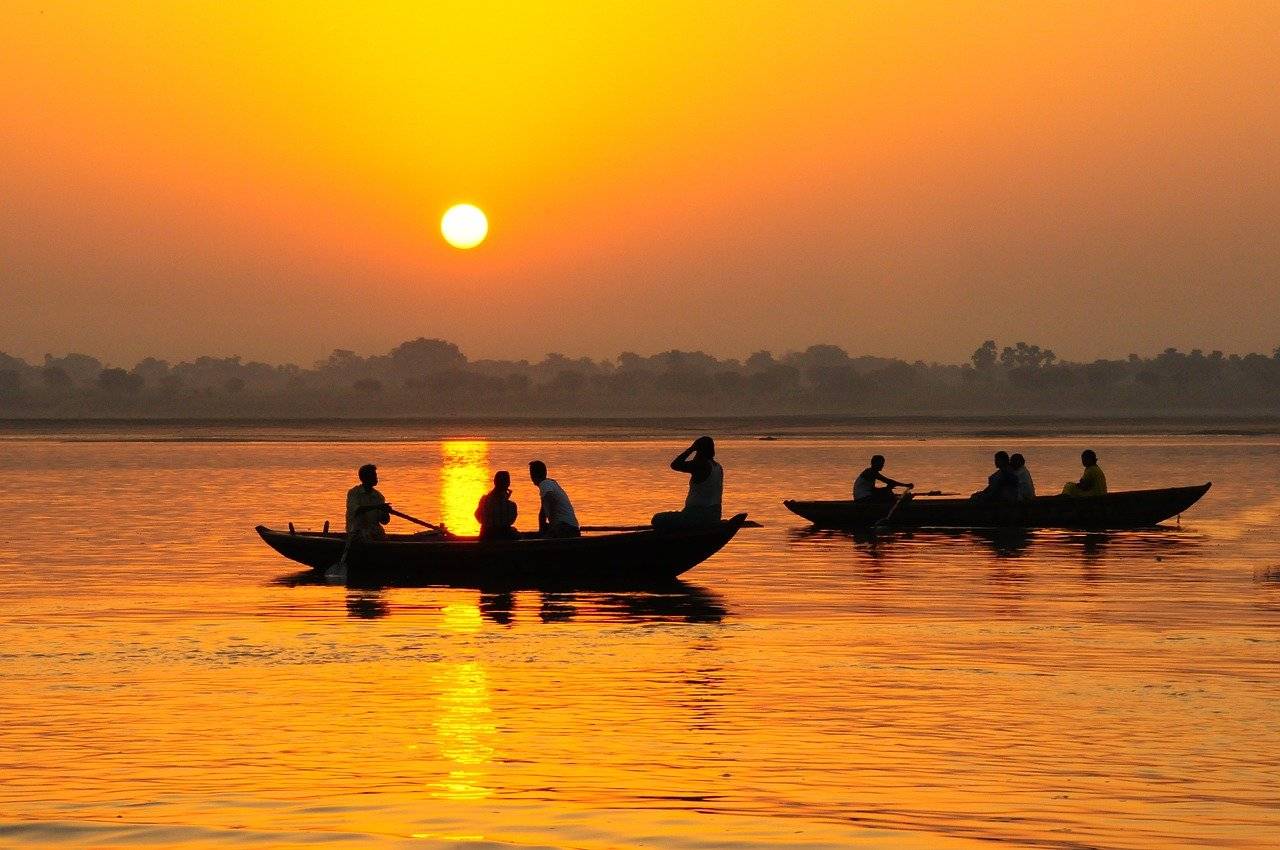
[431, 377]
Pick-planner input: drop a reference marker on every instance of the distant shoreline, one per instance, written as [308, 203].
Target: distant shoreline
[778, 427]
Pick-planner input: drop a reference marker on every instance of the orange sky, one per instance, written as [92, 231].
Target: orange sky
[896, 178]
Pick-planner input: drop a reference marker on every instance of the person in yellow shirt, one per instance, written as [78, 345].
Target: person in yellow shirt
[1092, 483]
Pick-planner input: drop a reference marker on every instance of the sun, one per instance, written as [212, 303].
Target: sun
[464, 226]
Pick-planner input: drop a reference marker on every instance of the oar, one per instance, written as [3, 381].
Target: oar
[413, 519]
[338, 572]
[906, 494]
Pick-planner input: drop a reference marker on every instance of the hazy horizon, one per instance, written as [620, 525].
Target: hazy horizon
[898, 180]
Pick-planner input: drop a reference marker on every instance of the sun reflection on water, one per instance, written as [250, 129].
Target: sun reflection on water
[464, 478]
[463, 731]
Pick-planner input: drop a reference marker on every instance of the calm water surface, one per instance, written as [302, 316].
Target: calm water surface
[168, 682]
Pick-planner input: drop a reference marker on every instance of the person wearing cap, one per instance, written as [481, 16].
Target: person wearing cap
[366, 508]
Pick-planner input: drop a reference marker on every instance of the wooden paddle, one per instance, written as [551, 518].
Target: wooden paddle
[906, 494]
[413, 519]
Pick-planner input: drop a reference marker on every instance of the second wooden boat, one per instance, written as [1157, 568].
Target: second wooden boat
[1123, 509]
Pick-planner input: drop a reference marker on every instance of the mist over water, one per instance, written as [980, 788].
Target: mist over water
[171, 681]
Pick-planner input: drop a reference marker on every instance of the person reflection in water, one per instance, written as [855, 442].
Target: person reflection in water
[366, 508]
[496, 513]
[706, 488]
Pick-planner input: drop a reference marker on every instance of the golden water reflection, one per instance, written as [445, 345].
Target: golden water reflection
[464, 478]
[464, 730]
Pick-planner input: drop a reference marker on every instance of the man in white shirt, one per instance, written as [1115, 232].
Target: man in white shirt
[366, 509]
[555, 515]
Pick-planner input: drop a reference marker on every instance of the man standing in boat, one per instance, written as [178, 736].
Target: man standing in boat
[555, 513]
[1092, 482]
[703, 505]
[366, 508]
[864, 486]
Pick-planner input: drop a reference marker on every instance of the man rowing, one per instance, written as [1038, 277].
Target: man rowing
[864, 486]
[703, 504]
[367, 510]
[555, 512]
[1092, 483]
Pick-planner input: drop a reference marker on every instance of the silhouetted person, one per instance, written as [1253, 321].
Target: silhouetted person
[1092, 483]
[366, 508]
[706, 488]
[555, 512]
[1026, 487]
[864, 486]
[1002, 485]
[496, 513]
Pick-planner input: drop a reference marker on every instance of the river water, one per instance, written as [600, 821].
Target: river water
[169, 682]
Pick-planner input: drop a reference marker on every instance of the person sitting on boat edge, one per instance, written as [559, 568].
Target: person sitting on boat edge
[366, 507]
[555, 512]
[1026, 487]
[702, 506]
[1092, 483]
[496, 513]
[864, 486]
[1002, 485]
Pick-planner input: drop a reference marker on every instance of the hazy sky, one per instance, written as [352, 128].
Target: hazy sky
[893, 177]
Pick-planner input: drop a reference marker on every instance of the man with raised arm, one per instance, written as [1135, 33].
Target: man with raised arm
[703, 504]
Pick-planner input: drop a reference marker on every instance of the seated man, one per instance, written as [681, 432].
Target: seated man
[366, 508]
[1092, 483]
[1026, 487]
[706, 489]
[496, 513]
[864, 486]
[555, 514]
[1002, 485]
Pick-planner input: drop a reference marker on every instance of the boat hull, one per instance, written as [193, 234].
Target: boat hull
[606, 560]
[1125, 509]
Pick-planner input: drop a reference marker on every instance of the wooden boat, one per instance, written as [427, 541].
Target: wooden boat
[605, 560]
[1123, 509]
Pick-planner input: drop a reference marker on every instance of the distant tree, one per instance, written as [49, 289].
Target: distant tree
[233, 385]
[10, 383]
[984, 356]
[421, 356]
[80, 367]
[368, 386]
[119, 382]
[55, 377]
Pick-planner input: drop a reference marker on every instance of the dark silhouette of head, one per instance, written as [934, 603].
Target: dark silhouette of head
[1017, 461]
[502, 480]
[705, 447]
[1088, 458]
[368, 475]
[877, 462]
[537, 471]
[1002, 460]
